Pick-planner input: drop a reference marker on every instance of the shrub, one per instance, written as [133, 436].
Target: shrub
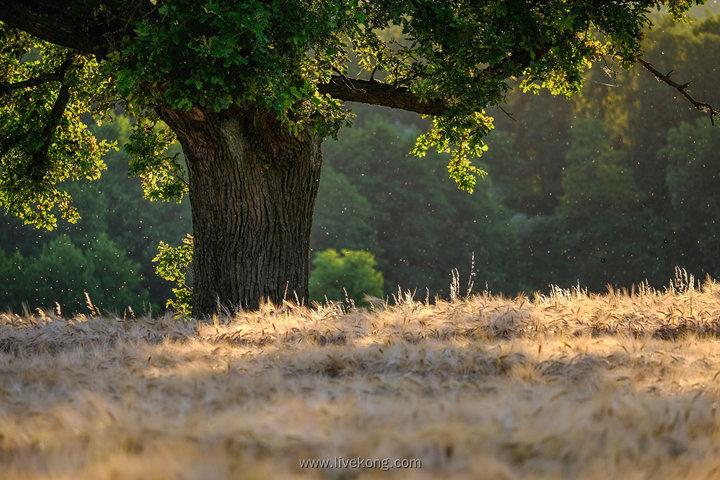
[350, 271]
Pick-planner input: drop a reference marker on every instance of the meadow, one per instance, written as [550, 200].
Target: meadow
[566, 385]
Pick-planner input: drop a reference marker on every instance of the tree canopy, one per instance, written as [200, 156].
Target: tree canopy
[447, 59]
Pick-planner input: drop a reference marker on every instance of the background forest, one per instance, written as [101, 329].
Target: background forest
[615, 186]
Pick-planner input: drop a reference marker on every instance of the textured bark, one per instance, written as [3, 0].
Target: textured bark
[252, 189]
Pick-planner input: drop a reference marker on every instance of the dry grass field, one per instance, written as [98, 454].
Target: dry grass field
[563, 386]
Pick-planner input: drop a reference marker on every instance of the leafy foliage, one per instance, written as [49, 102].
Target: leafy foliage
[173, 264]
[215, 54]
[345, 275]
[119, 234]
[465, 134]
[275, 54]
[44, 89]
[163, 176]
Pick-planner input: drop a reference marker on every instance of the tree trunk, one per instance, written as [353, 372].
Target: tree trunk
[252, 189]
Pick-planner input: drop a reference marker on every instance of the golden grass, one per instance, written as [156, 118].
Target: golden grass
[565, 386]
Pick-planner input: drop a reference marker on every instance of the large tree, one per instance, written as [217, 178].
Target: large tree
[251, 88]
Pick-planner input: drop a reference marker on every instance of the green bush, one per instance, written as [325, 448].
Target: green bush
[350, 271]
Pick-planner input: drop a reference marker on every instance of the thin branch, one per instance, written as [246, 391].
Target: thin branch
[509, 115]
[53, 76]
[181, 179]
[683, 89]
[38, 162]
[372, 75]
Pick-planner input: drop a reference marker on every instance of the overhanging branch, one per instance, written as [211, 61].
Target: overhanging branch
[388, 95]
[682, 88]
[94, 29]
[377, 93]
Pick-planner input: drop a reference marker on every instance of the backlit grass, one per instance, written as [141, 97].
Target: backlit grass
[561, 386]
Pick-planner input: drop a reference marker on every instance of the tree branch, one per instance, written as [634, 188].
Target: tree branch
[90, 30]
[388, 95]
[377, 93]
[6, 88]
[39, 160]
[682, 88]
